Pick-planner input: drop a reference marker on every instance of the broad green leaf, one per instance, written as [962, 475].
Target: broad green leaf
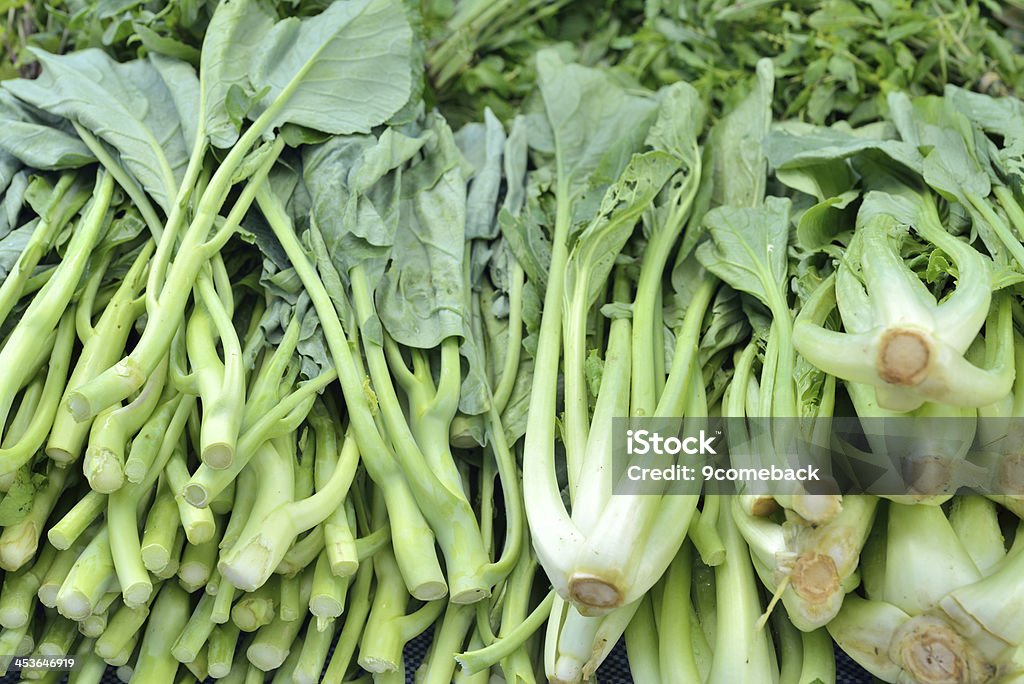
[739, 169]
[597, 247]
[158, 44]
[514, 417]
[126, 105]
[183, 84]
[728, 325]
[12, 202]
[826, 220]
[355, 194]
[9, 167]
[421, 298]
[813, 159]
[37, 143]
[12, 245]
[680, 121]
[342, 71]
[482, 144]
[514, 161]
[521, 212]
[236, 34]
[1003, 115]
[595, 122]
[481, 331]
[524, 233]
[676, 131]
[748, 249]
[287, 299]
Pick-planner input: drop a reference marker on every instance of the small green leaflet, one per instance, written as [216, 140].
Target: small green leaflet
[17, 502]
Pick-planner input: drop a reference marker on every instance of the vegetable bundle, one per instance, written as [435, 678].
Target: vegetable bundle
[293, 369]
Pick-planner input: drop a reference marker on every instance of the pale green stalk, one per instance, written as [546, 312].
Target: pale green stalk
[615, 567]
[18, 594]
[257, 608]
[170, 614]
[55, 575]
[414, 545]
[449, 638]
[94, 625]
[738, 610]
[221, 652]
[48, 305]
[389, 628]
[283, 418]
[123, 510]
[58, 639]
[196, 632]
[89, 579]
[291, 606]
[819, 660]
[703, 531]
[19, 542]
[89, 667]
[195, 249]
[327, 600]
[220, 383]
[421, 447]
[355, 620]
[198, 523]
[285, 674]
[312, 657]
[974, 521]
[676, 658]
[274, 641]
[224, 595]
[66, 531]
[15, 453]
[125, 624]
[199, 560]
[104, 461]
[642, 644]
[63, 203]
[162, 524]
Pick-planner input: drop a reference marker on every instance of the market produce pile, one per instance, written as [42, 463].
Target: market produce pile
[315, 319]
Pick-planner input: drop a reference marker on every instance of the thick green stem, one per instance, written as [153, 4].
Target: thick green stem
[555, 537]
[676, 660]
[44, 410]
[88, 580]
[161, 529]
[413, 539]
[196, 632]
[170, 614]
[642, 645]
[41, 317]
[313, 655]
[63, 203]
[355, 620]
[221, 652]
[273, 642]
[126, 376]
[19, 542]
[101, 349]
[510, 641]
[439, 495]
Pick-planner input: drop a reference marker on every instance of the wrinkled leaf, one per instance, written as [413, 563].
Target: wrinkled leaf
[420, 298]
[748, 249]
[125, 104]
